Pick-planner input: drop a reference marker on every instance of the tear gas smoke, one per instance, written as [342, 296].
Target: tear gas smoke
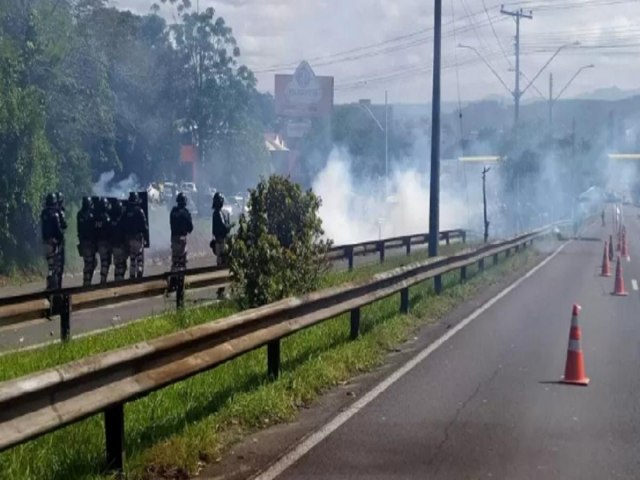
[159, 233]
[356, 210]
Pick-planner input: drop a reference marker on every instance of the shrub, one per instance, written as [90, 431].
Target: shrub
[278, 250]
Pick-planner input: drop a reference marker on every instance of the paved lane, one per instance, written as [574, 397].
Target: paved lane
[486, 405]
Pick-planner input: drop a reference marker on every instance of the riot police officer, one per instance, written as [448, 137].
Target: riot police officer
[87, 247]
[220, 228]
[136, 227]
[181, 225]
[118, 241]
[63, 224]
[103, 237]
[52, 239]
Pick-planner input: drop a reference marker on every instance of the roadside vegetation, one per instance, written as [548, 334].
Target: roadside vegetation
[170, 433]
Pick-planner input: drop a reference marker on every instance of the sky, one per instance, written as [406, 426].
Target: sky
[370, 46]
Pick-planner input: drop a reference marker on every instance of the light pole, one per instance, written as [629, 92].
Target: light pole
[384, 130]
[552, 100]
[517, 94]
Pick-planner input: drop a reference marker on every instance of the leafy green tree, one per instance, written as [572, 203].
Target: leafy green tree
[26, 161]
[278, 250]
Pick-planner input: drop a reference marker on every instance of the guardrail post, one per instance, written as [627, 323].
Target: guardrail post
[114, 436]
[404, 300]
[463, 274]
[355, 323]
[517, 248]
[495, 259]
[381, 250]
[447, 238]
[349, 254]
[481, 264]
[273, 359]
[464, 236]
[507, 253]
[180, 291]
[65, 316]
[437, 284]
[407, 244]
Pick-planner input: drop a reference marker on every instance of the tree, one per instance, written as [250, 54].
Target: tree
[27, 164]
[278, 250]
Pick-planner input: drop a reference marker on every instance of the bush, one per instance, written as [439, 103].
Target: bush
[278, 250]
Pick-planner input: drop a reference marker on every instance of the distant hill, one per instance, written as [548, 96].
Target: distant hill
[609, 93]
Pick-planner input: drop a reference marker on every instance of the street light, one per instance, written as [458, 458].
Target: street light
[469, 47]
[386, 139]
[515, 93]
[552, 100]
[555, 54]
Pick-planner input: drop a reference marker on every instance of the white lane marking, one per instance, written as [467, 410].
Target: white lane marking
[628, 258]
[634, 284]
[288, 459]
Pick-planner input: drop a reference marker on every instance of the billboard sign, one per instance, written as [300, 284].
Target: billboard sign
[303, 94]
[298, 128]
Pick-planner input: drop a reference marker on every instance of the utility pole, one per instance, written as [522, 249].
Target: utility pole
[434, 193]
[516, 94]
[386, 147]
[485, 170]
[550, 103]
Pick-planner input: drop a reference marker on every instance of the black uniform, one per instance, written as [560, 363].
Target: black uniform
[103, 236]
[87, 246]
[52, 239]
[181, 225]
[118, 242]
[135, 227]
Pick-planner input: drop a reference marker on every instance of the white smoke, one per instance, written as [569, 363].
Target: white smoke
[105, 187]
[355, 209]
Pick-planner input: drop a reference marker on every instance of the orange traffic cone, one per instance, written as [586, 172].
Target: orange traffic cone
[624, 252]
[574, 368]
[606, 268]
[619, 289]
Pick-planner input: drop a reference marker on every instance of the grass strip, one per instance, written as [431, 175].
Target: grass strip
[20, 363]
[171, 432]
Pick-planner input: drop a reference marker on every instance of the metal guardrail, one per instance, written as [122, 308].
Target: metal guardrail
[40, 403]
[45, 304]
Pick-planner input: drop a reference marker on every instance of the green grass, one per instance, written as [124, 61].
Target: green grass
[169, 432]
[20, 363]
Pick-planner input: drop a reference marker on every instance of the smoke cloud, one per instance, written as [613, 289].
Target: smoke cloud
[355, 209]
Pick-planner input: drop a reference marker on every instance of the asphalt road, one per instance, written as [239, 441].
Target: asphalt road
[486, 404]
[41, 331]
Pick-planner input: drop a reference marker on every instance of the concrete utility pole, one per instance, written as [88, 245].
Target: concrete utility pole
[386, 146]
[485, 170]
[434, 193]
[517, 15]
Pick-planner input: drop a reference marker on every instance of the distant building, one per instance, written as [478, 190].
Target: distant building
[279, 153]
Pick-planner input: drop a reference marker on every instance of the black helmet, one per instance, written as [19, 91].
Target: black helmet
[51, 199]
[117, 207]
[106, 204]
[86, 203]
[181, 199]
[218, 200]
[133, 198]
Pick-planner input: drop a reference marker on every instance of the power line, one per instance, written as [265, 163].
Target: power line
[411, 37]
[504, 53]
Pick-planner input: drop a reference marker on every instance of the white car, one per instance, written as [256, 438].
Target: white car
[188, 187]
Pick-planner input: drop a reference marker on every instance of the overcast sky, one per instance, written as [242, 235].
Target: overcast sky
[373, 45]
